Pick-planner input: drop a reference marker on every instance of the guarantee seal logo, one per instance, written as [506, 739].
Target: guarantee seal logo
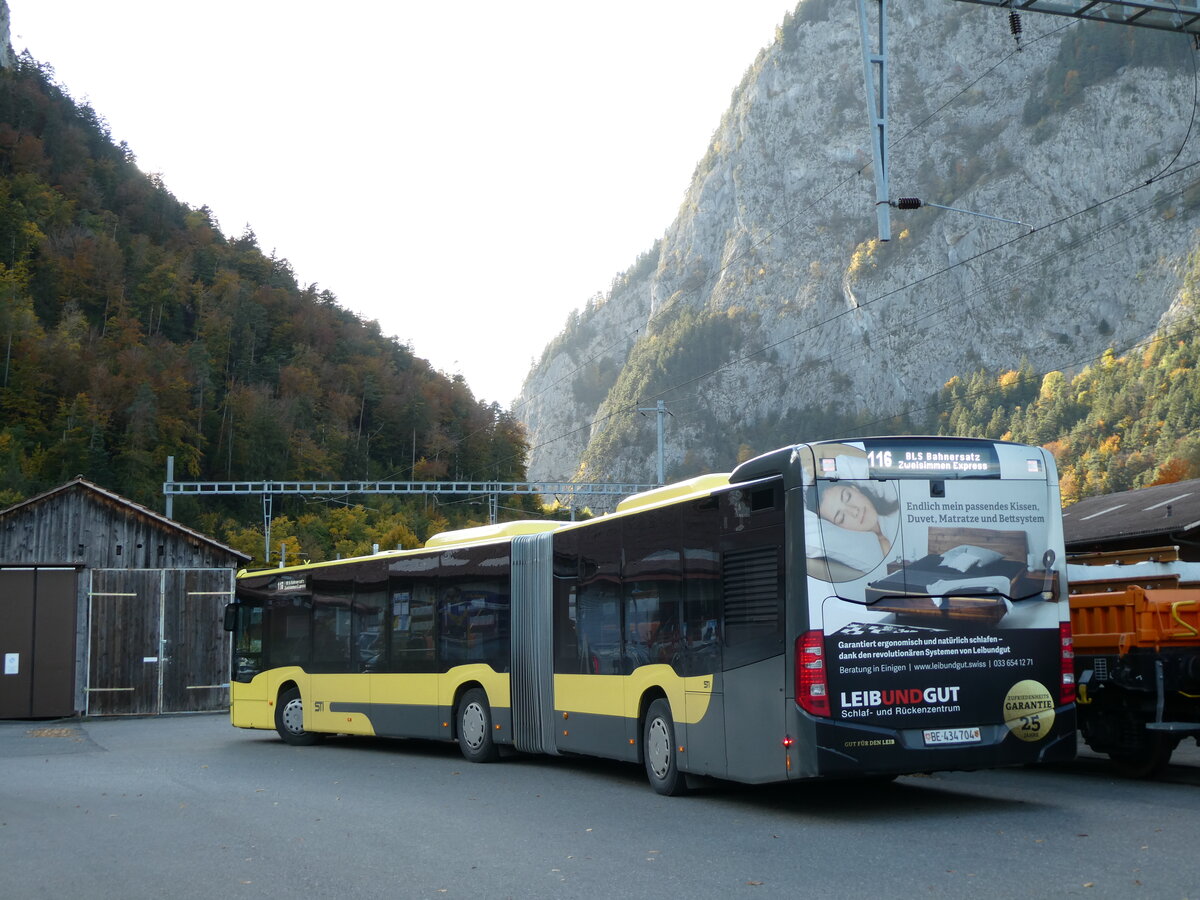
[1029, 710]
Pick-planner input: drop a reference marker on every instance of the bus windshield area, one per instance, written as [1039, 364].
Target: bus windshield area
[975, 546]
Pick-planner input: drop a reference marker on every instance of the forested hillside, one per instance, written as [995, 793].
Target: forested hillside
[132, 330]
[1123, 421]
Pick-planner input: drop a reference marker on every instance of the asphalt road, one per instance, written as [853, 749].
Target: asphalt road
[187, 806]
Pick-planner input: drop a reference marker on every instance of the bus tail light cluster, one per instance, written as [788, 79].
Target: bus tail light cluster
[812, 688]
[1068, 663]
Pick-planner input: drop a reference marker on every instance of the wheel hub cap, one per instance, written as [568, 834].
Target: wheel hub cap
[473, 725]
[293, 717]
[658, 748]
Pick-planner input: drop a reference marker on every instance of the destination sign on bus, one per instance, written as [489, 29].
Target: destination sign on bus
[917, 459]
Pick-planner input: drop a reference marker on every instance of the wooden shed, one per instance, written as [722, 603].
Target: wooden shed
[109, 608]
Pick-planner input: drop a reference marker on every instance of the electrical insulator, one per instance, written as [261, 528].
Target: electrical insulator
[908, 203]
[1014, 24]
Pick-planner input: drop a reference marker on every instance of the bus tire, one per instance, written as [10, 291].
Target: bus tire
[658, 751]
[475, 728]
[289, 720]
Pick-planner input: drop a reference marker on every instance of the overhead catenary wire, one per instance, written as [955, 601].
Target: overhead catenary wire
[1192, 120]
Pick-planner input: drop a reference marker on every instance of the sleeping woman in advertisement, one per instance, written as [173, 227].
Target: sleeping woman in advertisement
[849, 525]
[848, 506]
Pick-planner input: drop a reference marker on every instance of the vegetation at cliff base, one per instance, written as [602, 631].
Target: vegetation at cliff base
[133, 329]
[1125, 421]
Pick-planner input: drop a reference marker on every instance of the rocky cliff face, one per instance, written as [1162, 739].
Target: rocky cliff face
[768, 313]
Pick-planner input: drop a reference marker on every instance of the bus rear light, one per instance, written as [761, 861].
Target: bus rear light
[812, 690]
[1067, 694]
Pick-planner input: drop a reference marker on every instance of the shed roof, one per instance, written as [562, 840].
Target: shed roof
[79, 483]
[1163, 513]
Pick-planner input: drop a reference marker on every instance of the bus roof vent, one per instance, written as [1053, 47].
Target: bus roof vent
[764, 466]
[501, 531]
[698, 487]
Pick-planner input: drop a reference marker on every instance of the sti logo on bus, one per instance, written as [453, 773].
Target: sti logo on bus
[901, 697]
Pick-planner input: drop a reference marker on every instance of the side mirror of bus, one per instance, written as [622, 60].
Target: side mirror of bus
[1048, 592]
[231, 616]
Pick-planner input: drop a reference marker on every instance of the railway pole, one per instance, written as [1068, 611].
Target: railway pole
[661, 410]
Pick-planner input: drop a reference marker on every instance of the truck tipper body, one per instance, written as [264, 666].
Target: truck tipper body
[1137, 661]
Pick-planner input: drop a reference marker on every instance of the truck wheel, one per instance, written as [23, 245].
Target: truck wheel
[1149, 762]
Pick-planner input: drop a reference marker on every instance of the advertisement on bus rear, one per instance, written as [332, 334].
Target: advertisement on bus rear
[935, 571]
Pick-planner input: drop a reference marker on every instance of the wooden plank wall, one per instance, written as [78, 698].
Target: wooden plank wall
[84, 527]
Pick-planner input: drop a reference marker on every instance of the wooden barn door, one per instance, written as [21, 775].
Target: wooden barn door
[195, 642]
[37, 642]
[157, 641]
[18, 602]
[125, 616]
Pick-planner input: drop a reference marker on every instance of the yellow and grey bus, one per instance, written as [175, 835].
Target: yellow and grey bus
[837, 609]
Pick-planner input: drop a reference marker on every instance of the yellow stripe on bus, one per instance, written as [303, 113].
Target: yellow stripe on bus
[620, 695]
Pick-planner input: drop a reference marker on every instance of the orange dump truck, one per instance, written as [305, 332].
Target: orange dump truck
[1137, 665]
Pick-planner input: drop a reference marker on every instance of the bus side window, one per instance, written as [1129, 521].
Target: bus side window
[453, 620]
[702, 613]
[369, 602]
[332, 626]
[599, 607]
[598, 602]
[247, 655]
[566, 632]
[651, 580]
[701, 583]
[412, 626]
[473, 610]
[567, 658]
[289, 641]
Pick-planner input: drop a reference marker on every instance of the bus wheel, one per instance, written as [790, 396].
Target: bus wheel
[289, 720]
[475, 727]
[658, 751]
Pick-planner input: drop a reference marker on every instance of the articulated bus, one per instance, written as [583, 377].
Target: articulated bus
[860, 608]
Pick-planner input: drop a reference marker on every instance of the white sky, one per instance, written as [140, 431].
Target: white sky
[466, 173]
